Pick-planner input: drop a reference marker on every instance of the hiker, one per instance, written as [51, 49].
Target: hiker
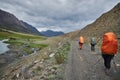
[109, 49]
[81, 41]
[93, 43]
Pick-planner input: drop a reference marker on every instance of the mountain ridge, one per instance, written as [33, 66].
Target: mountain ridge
[10, 22]
[30, 27]
[50, 33]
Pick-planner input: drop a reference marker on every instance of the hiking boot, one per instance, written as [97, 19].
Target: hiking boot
[107, 72]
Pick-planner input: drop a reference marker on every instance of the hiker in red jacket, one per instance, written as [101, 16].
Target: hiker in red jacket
[81, 41]
[109, 49]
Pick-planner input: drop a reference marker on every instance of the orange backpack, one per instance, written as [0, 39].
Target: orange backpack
[81, 39]
[110, 43]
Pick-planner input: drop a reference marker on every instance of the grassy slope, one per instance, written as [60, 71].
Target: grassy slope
[10, 34]
[27, 41]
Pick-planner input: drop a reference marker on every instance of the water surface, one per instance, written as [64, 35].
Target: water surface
[3, 46]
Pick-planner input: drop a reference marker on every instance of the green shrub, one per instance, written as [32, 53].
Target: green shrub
[59, 57]
[37, 71]
[28, 51]
[61, 54]
[51, 77]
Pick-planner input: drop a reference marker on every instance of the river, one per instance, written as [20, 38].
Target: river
[3, 46]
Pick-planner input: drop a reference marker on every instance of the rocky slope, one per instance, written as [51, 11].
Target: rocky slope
[10, 22]
[40, 65]
[109, 21]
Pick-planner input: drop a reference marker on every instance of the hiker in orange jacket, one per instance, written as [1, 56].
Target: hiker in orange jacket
[81, 41]
[109, 49]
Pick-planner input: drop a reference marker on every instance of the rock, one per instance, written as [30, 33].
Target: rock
[117, 65]
[42, 77]
[41, 61]
[14, 77]
[51, 55]
[25, 73]
[3, 60]
[36, 61]
[49, 49]
[17, 75]
[52, 71]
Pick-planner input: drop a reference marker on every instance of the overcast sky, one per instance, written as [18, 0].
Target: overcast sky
[60, 15]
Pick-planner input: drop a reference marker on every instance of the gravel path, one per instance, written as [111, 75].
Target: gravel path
[86, 65]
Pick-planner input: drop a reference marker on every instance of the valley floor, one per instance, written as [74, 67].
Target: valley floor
[81, 65]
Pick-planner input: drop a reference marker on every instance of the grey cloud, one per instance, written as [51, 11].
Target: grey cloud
[62, 14]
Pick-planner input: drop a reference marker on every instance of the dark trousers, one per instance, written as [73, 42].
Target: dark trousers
[92, 47]
[80, 45]
[107, 60]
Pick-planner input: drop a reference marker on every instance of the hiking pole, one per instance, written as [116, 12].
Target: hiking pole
[115, 68]
[97, 61]
[115, 64]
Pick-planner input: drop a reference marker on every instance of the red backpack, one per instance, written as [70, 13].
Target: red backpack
[110, 43]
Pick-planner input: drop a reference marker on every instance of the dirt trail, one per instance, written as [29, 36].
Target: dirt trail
[86, 65]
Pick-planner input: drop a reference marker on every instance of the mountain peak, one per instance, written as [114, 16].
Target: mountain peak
[50, 33]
